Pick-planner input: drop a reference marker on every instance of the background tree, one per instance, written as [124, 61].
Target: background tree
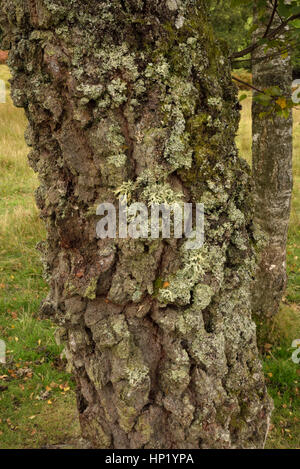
[275, 47]
[133, 97]
[272, 153]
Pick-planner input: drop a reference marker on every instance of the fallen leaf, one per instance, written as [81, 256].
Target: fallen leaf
[281, 103]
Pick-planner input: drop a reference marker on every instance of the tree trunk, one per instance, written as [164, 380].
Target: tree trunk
[272, 148]
[3, 56]
[134, 97]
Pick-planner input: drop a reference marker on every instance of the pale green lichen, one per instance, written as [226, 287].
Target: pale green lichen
[176, 150]
[117, 91]
[136, 297]
[118, 160]
[152, 189]
[160, 193]
[90, 291]
[91, 91]
[215, 102]
[137, 373]
[114, 57]
[127, 416]
[202, 296]
[125, 190]
[195, 263]
[120, 327]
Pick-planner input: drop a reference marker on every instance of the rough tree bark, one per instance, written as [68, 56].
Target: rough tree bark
[272, 148]
[134, 96]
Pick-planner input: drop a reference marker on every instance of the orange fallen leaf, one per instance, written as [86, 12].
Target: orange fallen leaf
[268, 346]
[281, 103]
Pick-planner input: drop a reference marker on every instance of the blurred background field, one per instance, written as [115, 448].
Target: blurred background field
[37, 399]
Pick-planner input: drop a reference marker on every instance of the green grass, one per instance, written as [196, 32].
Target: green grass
[283, 384]
[37, 401]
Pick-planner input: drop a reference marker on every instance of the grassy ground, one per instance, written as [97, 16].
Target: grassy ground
[37, 401]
